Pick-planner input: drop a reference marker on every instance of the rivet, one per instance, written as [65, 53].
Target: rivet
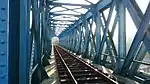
[2, 8]
[2, 77]
[3, 20]
[2, 53]
[2, 41]
[2, 31]
[2, 65]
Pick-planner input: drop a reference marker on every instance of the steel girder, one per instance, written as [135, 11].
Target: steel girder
[121, 14]
[4, 20]
[60, 4]
[80, 39]
[23, 48]
[41, 35]
[24, 43]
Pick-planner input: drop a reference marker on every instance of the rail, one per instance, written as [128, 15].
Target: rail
[72, 70]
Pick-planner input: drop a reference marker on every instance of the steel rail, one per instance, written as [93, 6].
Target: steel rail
[66, 67]
[82, 72]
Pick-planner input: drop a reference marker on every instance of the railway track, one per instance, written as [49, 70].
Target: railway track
[72, 70]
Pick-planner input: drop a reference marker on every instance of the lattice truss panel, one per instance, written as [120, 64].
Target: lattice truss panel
[113, 33]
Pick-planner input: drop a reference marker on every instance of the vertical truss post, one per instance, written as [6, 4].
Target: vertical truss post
[14, 26]
[47, 32]
[87, 36]
[71, 41]
[36, 76]
[92, 39]
[98, 35]
[80, 39]
[36, 25]
[4, 25]
[68, 41]
[44, 30]
[77, 40]
[74, 39]
[122, 35]
[24, 41]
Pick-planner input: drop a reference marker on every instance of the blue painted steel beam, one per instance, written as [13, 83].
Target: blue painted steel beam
[99, 6]
[78, 39]
[60, 24]
[58, 14]
[24, 42]
[13, 43]
[92, 43]
[114, 26]
[70, 4]
[110, 50]
[140, 56]
[137, 40]
[74, 10]
[136, 15]
[4, 54]
[104, 37]
[87, 38]
[98, 33]
[103, 4]
[121, 13]
[61, 20]
[68, 9]
[74, 40]
[36, 24]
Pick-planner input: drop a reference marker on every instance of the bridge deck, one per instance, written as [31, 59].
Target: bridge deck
[73, 70]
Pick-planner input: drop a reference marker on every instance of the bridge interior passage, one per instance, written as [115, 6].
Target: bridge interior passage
[110, 33]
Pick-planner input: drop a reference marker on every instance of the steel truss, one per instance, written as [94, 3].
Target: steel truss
[25, 47]
[98, 44]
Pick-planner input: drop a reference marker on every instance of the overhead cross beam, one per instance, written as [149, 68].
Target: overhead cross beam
[66, 9]
[70, 4]
[62, 20]
[72, 10]
[59, 24]
[58, 14]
